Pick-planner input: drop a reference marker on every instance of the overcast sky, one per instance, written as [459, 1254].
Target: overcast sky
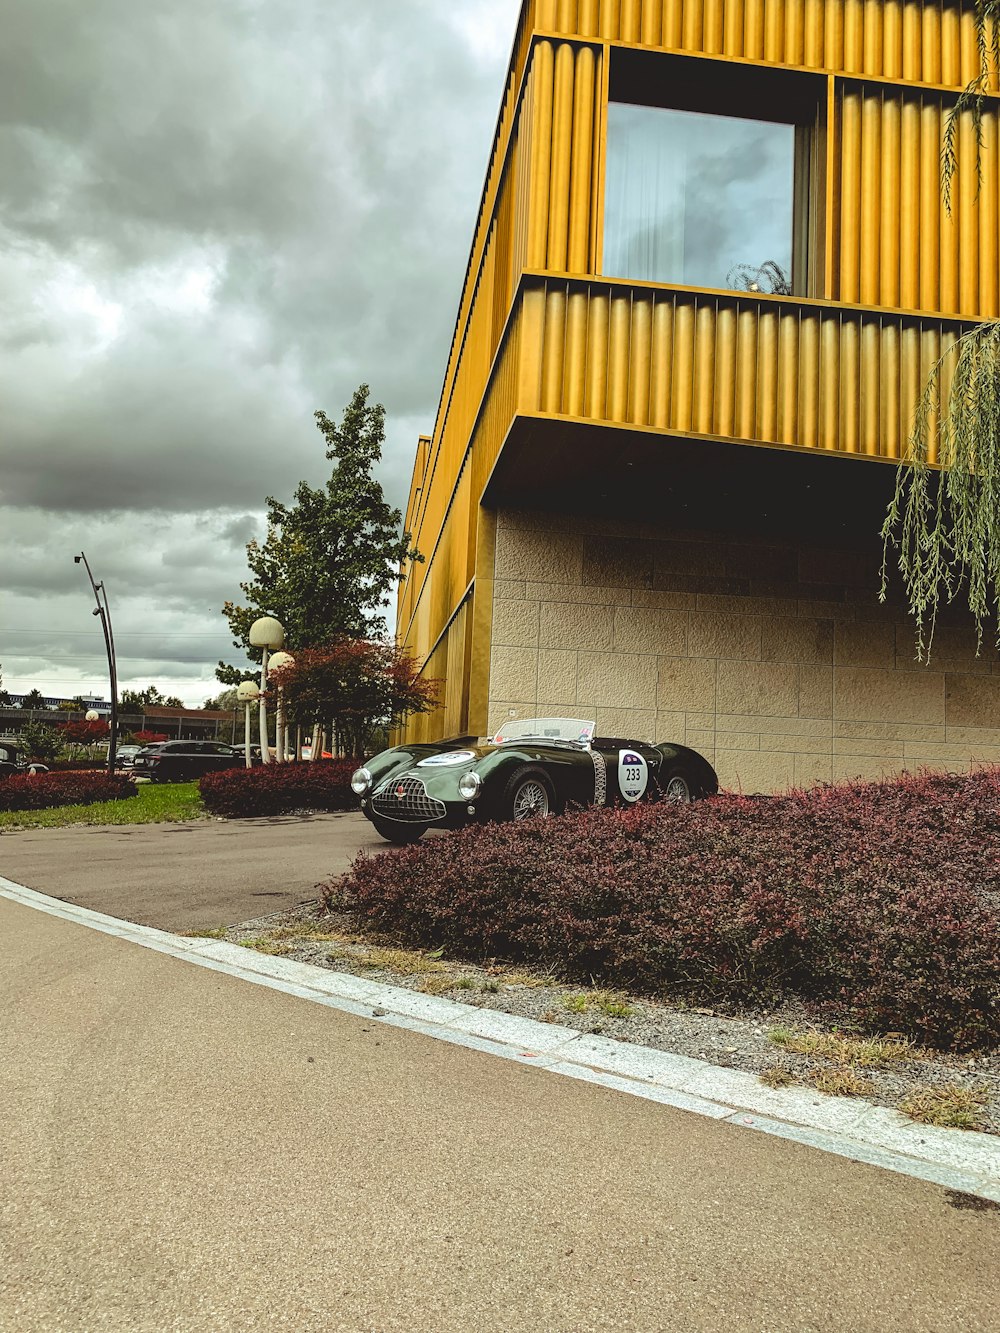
[214, 219]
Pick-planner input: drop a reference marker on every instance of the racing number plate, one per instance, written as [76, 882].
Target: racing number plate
[633, 775]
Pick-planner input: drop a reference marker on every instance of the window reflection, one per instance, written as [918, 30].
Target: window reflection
[703, 200]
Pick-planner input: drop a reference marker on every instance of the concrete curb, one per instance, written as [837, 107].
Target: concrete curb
[956, 1159]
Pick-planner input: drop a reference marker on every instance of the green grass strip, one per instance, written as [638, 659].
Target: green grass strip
[168, 803]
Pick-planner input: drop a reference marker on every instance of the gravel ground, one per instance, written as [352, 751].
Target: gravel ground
[738, 1039]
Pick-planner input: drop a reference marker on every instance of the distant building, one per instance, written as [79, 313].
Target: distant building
[710, 274]
[183, 723]
[91, 701]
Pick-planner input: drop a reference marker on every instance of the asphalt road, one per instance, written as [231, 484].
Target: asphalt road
[192, 876]
[183, 1150]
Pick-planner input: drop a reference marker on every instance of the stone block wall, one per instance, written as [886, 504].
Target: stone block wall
[774, 660]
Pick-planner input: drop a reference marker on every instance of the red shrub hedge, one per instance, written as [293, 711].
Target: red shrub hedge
[45, 790]
[274, 789]
[878, 903]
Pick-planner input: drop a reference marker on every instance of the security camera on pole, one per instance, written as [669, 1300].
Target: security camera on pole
[265, 633]
[248, 692]
[279, 660]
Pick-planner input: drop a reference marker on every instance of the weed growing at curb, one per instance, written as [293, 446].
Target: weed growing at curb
[776, 1076]
[950, 1106]
[275, 948]
[841, 1083]
[863, 1052]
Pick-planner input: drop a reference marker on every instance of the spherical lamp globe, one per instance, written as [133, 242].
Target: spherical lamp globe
[279, 660]
[92, 715]
[248, 692]
[266, 633]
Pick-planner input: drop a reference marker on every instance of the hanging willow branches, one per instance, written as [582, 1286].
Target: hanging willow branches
[944, 518]
[973, 98]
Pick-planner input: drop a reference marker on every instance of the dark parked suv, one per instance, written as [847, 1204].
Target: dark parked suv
[181, 761]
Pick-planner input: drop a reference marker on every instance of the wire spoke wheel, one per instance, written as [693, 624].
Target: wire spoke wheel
[678, 791]
[530, 800]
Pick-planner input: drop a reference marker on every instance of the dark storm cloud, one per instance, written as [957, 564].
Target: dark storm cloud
[213, 220]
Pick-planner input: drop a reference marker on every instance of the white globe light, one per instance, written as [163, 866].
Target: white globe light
[248, 692]
[266, 633]
[278, 660]
[92, 715]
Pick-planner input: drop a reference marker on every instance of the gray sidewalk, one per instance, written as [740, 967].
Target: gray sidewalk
[184, 1150]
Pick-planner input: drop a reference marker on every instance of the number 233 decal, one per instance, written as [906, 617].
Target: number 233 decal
[633, 774]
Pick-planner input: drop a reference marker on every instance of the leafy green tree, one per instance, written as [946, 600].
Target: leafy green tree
[331, 557]
[33, 699]
[4, 696]
[41, 742]
[224, 702]
[134, 701]
[944, 519]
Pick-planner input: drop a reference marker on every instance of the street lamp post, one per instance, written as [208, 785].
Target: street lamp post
[265, 633]
[247, 692]
[104, 611]
[279, 660]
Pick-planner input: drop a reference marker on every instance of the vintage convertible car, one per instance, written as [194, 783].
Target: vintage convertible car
[529, 768]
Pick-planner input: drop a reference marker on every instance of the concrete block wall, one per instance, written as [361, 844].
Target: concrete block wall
[774, 660]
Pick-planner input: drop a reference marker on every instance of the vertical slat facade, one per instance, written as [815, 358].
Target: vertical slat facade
[931, 43]
[893, 278]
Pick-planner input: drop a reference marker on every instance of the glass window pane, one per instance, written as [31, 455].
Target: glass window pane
[689, 197]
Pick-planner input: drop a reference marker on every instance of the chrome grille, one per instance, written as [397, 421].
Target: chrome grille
[407, 799]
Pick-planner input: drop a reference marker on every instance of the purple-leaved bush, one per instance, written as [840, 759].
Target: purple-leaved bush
[274, 789]
[877, 903]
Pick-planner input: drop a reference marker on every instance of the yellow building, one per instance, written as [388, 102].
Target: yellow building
[710, 273]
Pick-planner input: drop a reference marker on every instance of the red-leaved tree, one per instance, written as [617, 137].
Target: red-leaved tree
[83, 733]
[357, 686]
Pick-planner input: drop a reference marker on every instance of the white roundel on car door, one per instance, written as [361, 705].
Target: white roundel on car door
[633, 774]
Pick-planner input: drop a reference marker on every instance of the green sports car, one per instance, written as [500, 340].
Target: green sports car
[529, 768]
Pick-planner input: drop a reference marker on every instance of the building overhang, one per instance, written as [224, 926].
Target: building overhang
[689, 481]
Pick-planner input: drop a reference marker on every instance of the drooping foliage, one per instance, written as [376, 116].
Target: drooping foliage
[943, 520]
[330, 557]
[974, 96]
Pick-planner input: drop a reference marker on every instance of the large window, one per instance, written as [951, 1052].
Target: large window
[699, 199]
[711, 171]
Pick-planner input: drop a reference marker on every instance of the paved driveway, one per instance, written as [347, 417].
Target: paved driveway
[191, 876]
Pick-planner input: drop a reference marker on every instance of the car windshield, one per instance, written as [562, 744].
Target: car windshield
[574, 729]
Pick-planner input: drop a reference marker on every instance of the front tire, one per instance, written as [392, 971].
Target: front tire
[676, 788]
[528, 795]
[399, 834]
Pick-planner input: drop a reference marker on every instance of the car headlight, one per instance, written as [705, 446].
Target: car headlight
[469, 786]
[361, 781]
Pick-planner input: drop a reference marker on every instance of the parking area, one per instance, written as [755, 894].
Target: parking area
[191, 876]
